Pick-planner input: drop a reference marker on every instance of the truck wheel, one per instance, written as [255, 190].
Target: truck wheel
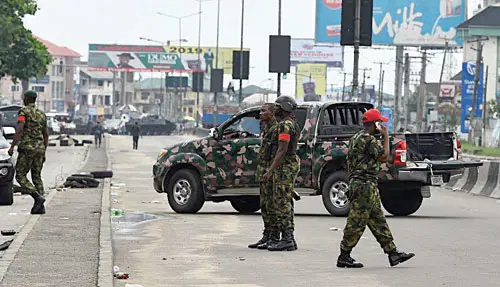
[185, 192]
[334, 193]
[6, 194]
[401, 202]
[246, 205]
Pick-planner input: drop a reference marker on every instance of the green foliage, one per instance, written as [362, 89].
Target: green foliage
[21, 55]
[493, 108]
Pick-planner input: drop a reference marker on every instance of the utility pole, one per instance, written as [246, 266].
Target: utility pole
[357, 36]
[363, 85]
[407, 90]
[479, 56]
[442, 69]
[240, 97]
[278, 88]
[397, 85]
[381, 93]
[379, 78]
[485, 110]
[199, 69]
[421, 94]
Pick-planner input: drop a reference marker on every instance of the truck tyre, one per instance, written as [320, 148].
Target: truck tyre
[400, 202]
[185, 192]
[246, 205]
[334, 193]
[6, 194]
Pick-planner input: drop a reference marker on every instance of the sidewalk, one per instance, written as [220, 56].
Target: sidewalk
[60, 248]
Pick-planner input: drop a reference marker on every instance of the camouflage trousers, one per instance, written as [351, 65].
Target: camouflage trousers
[281, 209]
[365, 211]
[30, 161]
[266, 197]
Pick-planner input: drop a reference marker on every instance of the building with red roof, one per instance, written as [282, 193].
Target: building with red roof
[56, 89]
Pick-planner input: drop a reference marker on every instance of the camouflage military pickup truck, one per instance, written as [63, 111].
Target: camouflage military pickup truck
[222, 166]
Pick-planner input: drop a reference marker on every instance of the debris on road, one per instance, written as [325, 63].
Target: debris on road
[8, 232]
[121, 275]
[117, 212]
[133, 285]
[81, 182]
[334, 229]
[5, 245]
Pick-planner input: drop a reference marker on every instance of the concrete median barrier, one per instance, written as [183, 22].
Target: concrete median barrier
[483, 180]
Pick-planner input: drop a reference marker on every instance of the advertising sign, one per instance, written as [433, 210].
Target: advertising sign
[387, 112]
[468, 72]
[131, 58]
[45, 80]
[307, 51]
[310, 83]
[447, 91]
[402, 22]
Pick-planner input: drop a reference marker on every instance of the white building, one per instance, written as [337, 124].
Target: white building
[96, 93]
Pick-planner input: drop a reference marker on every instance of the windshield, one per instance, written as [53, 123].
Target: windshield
[245, 124]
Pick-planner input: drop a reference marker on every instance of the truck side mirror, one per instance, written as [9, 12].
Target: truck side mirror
[214, 133]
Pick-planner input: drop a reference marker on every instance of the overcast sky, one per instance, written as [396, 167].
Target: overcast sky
[75, 24]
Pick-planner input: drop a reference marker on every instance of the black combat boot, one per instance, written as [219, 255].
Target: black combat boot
[263, 240]
[346, 261]
[38, 207]
[287, 242]
[396, 257]
[274, 238]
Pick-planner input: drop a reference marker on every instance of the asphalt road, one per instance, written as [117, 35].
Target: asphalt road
[455, 237]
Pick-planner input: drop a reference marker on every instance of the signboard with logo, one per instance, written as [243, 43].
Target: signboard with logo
[387, 112]
[468, 72]
[132, 58]
[401, 22]
[307, 51]
[447, 91]
[310, 81]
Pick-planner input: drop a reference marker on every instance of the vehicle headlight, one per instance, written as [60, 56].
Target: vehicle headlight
[4, 171]
[4, 154]
[162, 153]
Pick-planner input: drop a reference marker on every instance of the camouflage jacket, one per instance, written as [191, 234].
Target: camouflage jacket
[362, 157]
[288, 130]
[264, 157]
[35, 122]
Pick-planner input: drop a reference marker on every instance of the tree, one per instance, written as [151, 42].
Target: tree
[493, 108]
[22, 56]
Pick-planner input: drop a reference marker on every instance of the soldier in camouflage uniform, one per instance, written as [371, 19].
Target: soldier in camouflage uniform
[268, 126]
[32, 136]
[283, 172]
[363, 160]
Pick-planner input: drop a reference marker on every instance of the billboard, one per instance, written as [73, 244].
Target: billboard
[468, 71]
[133, 58]
[310, 81]
[447, 91]
[306, 51]
[402, 22]
[387, 112]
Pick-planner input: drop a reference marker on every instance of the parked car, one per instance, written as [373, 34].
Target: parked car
[222, 166]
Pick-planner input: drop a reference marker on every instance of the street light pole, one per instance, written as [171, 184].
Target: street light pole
[278, 88]
[199, 68]
[241, 52]
[357, 36]
[216, 61]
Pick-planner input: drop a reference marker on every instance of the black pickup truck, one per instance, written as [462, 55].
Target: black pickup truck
[222, 166]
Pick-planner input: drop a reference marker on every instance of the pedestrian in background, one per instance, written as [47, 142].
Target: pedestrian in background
[32, 138]
[283, 171]
[271, 233]
[136, 132]
[98, 133]
[363, 158]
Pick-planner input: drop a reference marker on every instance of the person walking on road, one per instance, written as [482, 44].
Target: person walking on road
[268, 127]
[363, 158]
[32, 139]
[283, 172]
[98, 134]
[136, 132]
